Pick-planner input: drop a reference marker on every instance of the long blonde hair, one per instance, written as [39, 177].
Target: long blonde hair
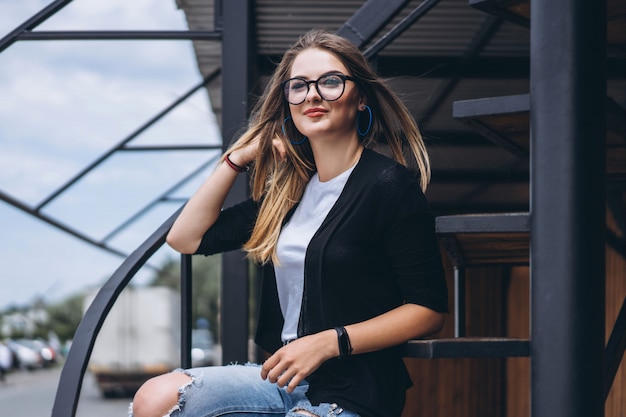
[279, 184]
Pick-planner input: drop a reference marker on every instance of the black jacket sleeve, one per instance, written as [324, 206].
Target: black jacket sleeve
[231, 230]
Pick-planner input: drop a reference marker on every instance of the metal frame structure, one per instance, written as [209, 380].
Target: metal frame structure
[568, 96]
[237, 50]
[24, 32]
[568, 374]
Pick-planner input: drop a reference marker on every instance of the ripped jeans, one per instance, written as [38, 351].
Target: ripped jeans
[238, 390]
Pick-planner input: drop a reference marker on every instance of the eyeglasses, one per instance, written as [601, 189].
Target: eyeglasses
[330, 87]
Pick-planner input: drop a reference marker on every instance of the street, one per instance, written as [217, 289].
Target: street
[31, 394]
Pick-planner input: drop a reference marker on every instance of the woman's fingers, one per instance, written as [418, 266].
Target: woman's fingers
[293, 382]
[286, 378]
[284, 373]
[279, 147]
[268, 366]
[293, 363]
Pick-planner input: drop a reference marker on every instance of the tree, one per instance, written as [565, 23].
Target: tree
[64, 317]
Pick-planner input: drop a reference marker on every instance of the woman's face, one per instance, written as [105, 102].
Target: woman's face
[315, 117]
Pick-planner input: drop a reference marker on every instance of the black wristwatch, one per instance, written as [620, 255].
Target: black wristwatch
[345, 348]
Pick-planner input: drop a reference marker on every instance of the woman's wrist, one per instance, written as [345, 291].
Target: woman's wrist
[234, 162]
[327, 343]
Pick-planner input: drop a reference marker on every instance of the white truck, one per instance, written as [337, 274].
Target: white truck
[140, 338]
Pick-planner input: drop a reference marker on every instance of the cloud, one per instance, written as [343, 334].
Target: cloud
[97, 15]
[65, 103]
[117, 14]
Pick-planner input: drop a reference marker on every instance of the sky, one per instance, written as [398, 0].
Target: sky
[63, 104]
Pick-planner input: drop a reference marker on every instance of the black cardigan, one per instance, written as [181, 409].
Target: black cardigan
[375, 250]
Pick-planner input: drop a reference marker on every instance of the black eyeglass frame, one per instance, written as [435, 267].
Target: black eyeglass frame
[308, 83]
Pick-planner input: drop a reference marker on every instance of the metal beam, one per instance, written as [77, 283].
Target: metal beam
[445, 88]
[484, 176]
[369, 20]
[568, 97]
[33, 22]
[128, 139]
[57, 224]
[237, 47]
[398, 29]
[159, 199]
[83, 35]
[478, 347]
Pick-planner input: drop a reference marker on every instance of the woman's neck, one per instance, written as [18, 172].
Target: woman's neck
[333, 159]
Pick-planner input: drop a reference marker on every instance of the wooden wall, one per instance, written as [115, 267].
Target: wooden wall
[499, 305]
[615, 405]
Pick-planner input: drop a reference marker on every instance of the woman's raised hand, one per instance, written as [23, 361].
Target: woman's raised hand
[247, 153]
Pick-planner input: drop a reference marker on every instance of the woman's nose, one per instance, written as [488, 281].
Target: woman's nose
[313, 94]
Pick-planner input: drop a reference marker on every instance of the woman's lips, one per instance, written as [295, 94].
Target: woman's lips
[315, 112]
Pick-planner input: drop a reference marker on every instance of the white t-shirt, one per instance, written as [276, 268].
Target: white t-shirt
[317, 200]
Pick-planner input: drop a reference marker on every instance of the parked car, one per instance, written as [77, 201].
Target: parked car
[6, 360]
[45, 351]
[202, 348]
[25, 357]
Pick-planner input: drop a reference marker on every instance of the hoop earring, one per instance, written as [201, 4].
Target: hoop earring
[369, 124]
[304, 138]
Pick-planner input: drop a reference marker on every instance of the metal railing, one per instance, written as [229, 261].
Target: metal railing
[71, 380]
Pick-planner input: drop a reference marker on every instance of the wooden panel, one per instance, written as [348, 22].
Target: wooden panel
[455, 388]
[465, 387]
[615, 405]
[518, 325]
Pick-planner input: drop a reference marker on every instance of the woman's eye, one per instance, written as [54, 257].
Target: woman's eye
[297, 85]
[331, 81]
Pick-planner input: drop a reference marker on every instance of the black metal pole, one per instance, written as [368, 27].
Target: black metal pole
[567, 207]
[236, 63]
[127, 35]
[399, 28]
[460, 327]
[33, 22]
[186, 287]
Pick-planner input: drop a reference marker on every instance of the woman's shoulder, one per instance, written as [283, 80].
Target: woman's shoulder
[389, 186]
[386, 172]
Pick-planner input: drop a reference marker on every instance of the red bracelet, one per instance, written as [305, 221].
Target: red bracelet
[234, 166]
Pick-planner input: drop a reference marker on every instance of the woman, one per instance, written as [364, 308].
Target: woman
[351, 267]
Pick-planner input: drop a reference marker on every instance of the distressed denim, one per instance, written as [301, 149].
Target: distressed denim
[238, 390]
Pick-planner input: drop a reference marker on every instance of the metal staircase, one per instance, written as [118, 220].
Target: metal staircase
[567, 280]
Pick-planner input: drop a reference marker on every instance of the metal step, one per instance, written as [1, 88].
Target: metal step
[506, 122]
[485, 239]
[467, 347]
